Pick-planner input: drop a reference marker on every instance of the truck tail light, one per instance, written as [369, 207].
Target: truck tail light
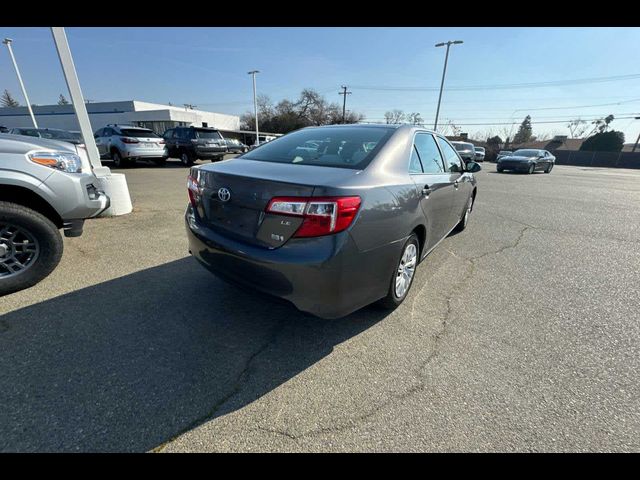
[129, 140]
[320, 215]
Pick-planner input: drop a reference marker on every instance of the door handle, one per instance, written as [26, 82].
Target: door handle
[426, 191]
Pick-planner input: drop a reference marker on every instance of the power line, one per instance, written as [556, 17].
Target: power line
[506, 85]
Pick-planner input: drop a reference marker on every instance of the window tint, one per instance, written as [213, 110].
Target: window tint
[168, 134]
[207, 134]
[98, 133]
[414, 164]
[343, 147]
[107, 132]
[452, 161]
[138, 133]
[429, 154]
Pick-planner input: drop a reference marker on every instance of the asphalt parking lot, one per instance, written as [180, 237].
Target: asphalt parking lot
[520, 334]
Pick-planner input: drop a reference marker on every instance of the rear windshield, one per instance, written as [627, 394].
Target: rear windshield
[463, 146]
[207, 134]
[351, 147]
[138, 133]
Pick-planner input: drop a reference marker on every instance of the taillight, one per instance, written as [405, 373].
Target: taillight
[162, 142]
[193, 188]
[321, 215]
[129, 140]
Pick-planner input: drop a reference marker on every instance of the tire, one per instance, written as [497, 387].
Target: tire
[499, 170]
[393, 298]
[26, 225]
[161, 162]
[549, 168]
[118, 161]
[186, 159]
[532, 168]
[464, 220]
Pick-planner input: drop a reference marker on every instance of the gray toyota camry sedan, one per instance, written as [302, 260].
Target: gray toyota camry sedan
[330, 218]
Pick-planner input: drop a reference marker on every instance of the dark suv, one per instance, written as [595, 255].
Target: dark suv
[192, 143]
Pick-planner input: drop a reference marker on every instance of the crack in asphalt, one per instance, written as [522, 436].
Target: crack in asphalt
[354, 421]
[242, 378]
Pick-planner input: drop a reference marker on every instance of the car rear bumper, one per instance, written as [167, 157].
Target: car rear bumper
[325, 276]
[206, 153]
[145, 153]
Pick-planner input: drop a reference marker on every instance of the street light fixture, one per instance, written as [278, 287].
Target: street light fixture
[444, 71]
[255, 102]
[7, 42]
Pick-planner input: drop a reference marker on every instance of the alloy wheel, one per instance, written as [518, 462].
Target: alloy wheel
[19, 250]
[406, 269]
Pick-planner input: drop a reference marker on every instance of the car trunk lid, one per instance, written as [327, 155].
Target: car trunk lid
[235, 194]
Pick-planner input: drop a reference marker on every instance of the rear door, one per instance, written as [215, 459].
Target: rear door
[462, 187]
[434, 186]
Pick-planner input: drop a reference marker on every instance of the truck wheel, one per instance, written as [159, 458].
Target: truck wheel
[30, 247]
[186, 159]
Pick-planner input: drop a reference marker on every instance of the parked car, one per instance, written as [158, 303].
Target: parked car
[125, 144]
[503, 153]
[466, 150]
[479, 154]
[527, 160]
[3, 129]
[236, 146]
[335, 229]
[43, 188]
[192, 143]
[51, 134]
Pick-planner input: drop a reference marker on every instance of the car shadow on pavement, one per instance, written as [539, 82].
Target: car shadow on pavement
[130, 363]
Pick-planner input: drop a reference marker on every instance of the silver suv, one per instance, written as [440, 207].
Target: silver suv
[45, 186]
[124, 144]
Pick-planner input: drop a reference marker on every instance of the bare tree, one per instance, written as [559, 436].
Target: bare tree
[414, 118]
[62, 100]
[394, 116]
[577, 128]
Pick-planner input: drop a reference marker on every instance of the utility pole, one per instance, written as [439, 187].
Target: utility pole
[444, 71]
[344, 102]
[255, 103]
[7, 42]
[638, 140]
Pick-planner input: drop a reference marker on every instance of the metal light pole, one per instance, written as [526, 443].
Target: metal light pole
[638, 140]
[444, 71]
[7, 42]
[77, 100]
[255, 102]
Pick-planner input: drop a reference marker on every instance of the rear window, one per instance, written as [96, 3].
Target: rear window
[351, 147]
[206, 134]
[463, 146]
[138, 133]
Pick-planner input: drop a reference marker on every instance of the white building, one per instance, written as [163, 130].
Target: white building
[155, 116]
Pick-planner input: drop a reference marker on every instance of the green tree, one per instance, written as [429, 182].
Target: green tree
[7, 100]
[611, 141]
[62, 100]
[524, 132]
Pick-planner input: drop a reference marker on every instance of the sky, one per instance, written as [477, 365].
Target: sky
[579, 72]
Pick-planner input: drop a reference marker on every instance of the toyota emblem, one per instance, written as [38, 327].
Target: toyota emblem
[224, 194]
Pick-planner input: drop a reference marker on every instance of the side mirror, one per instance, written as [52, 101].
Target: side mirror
[473, 167]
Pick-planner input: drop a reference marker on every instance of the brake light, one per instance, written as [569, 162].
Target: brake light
[193, 188]
[162, 142]
[129, 140]
[321, 215]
